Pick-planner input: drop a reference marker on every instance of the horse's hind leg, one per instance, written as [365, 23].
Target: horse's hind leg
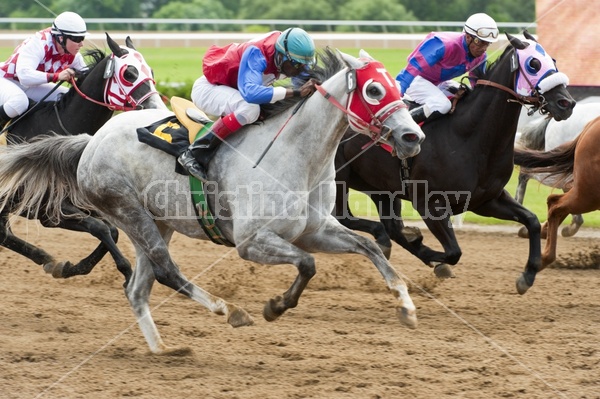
[332, 238]
[108, 236]
[151, 243]
[14, 243]
[573, 228]
[557, 212]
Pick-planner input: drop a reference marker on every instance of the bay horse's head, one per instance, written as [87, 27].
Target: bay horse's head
[375, 106]
[537, 77]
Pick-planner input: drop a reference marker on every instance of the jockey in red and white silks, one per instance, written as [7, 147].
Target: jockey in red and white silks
[36, 65]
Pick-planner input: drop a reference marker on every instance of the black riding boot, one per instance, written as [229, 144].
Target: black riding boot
[418, 114]
[4, 119]
[197, 156]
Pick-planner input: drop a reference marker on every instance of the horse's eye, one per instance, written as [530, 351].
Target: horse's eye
[375, 91]
[129, 75]
[533, 65]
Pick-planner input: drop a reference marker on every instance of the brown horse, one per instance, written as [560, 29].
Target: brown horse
[575, 164]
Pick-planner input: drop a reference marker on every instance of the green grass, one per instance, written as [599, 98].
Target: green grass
[184, 65]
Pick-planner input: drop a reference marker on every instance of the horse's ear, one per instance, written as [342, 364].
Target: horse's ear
[515, 42]
[363, 54]
[528, 35]
[114, 47]
[129, 43]
[351, 61]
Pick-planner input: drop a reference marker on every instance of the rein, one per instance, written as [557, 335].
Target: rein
[112, 107]
[523, 100]
[537, 100]
[375, 126]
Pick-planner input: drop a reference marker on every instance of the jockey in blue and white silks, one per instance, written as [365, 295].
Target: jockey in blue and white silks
[441, 57]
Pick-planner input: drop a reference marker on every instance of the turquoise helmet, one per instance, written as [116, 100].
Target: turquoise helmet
[295, 44]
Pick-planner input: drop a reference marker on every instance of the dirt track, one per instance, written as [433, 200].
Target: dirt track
[477, 338]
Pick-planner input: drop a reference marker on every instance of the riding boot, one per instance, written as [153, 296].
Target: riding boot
[196, 157]
[4, 118]
[422, 114]
[418, 114]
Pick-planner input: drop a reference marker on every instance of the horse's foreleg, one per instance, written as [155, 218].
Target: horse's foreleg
[506, 208]
[343, 214]
[332, 238]
[266, 247]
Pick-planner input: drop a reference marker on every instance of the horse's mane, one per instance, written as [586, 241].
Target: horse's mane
[94, 56]
[491, 66]
[329, 63]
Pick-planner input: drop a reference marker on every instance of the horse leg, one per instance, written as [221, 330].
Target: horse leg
[16, 244]
[408, 237]
[342, 213]
[266, 247]
[105, 233]
[332, 238]
[152, 252]
[573, 228]
[506, 208]
[520, 197]
[557, 212]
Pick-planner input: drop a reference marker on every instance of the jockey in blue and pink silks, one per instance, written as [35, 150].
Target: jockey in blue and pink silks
[237, 79]
[441, 57]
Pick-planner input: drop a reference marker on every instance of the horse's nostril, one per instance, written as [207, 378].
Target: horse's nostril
[410, 137]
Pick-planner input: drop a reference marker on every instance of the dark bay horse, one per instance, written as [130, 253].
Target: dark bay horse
[277, 213]
[89, 104]
[464, 164]
[575, 165]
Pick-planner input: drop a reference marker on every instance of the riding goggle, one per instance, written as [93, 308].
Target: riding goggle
[485, 32]
[296, 64]
[76, 39]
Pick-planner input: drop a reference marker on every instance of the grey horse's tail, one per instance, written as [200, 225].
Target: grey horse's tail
[36, 177]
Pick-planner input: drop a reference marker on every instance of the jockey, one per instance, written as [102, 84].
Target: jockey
[441, 57]
[37, 64]
[237, 79]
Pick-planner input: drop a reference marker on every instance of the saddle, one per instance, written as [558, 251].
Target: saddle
[175, 133]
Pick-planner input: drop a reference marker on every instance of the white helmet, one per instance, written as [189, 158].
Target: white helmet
[483, 26]
[69, 24]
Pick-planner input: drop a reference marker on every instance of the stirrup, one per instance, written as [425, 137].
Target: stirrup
[192, 166]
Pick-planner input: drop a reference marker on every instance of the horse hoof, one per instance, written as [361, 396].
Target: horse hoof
[567, 231]
[271, 310]
[387, 251]
[412, 234]
[407, 317]
[443, 271]
[55, 269]
[522, 285]
[523, 233]
[238, 317]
